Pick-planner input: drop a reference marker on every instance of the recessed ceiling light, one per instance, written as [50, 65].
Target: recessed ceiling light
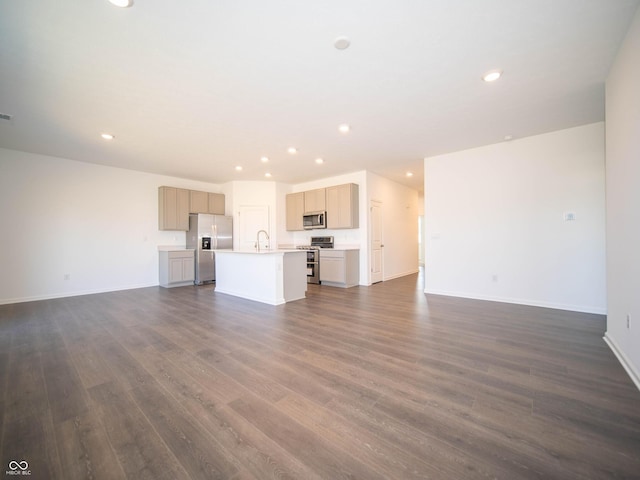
[239, 168]
[492, 76]
[319, 161]
[264, 159]
[409, 174]
[122, 3]
[107, 136]
[344, 128]
[268, 175]
[342, 43]
[292, 150]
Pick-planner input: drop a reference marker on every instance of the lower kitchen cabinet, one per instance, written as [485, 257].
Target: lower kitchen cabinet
[177, 268]
[339, 268]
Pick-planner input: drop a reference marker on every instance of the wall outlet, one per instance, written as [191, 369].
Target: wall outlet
[494, 278]
[67, 276]
[628, 319]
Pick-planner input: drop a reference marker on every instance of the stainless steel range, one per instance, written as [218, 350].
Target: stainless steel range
[313, 256]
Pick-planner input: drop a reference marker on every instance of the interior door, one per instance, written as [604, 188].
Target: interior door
[377, 264]
[252, 219]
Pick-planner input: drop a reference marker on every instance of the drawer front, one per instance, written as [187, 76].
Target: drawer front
[329, 253]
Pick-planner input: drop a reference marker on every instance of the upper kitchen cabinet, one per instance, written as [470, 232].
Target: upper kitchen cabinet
[295, 211]
[173, 208]
[198, 201]
[204, 202]
[315, 200]
[216, 203]
[343, 209]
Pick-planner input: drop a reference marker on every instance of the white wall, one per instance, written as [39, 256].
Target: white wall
[495, 227]
[423, 236]
[98, 224]
[623, 202]
[400, 225]
[251, 193]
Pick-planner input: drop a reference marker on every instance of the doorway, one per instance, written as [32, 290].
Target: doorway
[421, 242]
[376, 246]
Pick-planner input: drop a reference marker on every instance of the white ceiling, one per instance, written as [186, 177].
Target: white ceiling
[193, 88]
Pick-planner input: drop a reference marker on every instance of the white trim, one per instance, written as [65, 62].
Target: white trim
[622, 358]
[522, 301]
[37, 298]
[404, 274]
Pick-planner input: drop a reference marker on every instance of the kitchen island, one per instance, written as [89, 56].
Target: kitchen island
[269, 276]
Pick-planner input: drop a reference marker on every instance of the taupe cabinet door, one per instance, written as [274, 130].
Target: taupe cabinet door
[295, 211]
[315, 200]
[173, 208]
[343, 206]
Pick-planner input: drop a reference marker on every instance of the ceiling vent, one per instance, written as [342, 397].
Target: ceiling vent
[6, 116]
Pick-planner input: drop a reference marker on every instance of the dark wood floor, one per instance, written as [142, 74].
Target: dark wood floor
[364, 383]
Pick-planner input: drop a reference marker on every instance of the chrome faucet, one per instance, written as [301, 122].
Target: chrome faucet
[258, 239]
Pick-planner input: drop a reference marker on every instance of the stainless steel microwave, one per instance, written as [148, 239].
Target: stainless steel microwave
[311, 220]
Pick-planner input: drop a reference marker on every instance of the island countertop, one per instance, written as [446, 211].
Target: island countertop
[269, 276]
[267, 251]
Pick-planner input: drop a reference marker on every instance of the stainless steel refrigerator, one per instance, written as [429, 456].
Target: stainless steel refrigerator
[206, 234]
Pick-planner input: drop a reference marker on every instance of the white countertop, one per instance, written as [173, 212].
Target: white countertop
[288, 246]
[173, 248]
[274, 251]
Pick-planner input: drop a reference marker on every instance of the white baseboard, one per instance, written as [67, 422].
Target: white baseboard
[391, 277]
[37, 298]
[622, 358]
[522, 301]
[404, 274]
